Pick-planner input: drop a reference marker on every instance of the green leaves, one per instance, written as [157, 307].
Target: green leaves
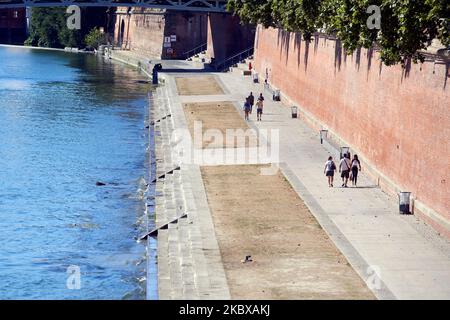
[48, 29]
[407, 26]
[95, 38]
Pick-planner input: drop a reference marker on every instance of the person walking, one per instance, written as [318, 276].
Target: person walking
[356, 166]
[251, 100]
[344, 169]
[261, 97]
[259, 109]
[246, 108]
[329, 169]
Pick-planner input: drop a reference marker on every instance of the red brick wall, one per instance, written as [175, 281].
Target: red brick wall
[190, 30]
[145, 29]
[12, 18]
[227, 36]
[13, 25]
[399, 120]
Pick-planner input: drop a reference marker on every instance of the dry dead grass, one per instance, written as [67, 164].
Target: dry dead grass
[198, 85]
[219, 116]
[263, 216]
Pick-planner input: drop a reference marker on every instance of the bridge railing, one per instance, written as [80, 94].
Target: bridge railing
[184, 5]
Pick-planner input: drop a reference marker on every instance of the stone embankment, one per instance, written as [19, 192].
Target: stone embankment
[189, 262]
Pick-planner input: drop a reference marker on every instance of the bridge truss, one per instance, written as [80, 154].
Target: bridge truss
[180, 5]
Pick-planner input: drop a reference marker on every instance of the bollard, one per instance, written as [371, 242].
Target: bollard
[404, 199]
[156, 68]
[155, 76]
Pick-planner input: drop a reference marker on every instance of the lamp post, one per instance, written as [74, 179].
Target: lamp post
[323, 135]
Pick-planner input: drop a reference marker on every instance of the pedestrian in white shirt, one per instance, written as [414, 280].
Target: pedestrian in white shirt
[329, 169]
[344, 169]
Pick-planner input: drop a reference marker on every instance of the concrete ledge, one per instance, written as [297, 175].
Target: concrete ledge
[128, 58]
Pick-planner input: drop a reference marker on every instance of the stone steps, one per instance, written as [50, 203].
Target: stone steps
[183, 269]
[177, 277]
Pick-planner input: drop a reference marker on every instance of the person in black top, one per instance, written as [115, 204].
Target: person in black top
[251, 100]
[356, 166]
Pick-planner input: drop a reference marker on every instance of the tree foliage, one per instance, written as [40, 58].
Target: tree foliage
[407, 26]
[95, 38]
[48, 29]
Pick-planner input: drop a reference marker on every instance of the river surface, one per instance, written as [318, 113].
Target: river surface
[68, 121]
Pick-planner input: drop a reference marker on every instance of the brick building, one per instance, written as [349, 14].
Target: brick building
[13, 25]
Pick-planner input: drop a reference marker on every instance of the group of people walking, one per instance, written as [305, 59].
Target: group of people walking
[348, 168]
[249, 103]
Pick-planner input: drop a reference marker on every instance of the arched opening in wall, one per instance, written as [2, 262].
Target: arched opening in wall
[122, 31]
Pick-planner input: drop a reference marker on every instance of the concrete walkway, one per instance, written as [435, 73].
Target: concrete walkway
[411, 260]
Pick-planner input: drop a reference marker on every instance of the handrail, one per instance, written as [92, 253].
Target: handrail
[237, 57]
[195, 50]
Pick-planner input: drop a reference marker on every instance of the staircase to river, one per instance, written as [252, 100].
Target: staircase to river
[184, 267]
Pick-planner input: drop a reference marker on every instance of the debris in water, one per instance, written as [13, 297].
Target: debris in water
[99, 183]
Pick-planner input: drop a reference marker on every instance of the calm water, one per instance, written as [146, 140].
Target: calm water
[66, 122]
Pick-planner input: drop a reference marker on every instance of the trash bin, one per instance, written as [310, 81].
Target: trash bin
[344, 151]
[404, 199]
[294, 111]
[158, 67]
[255, 77]
[155, 76]
[276, 95]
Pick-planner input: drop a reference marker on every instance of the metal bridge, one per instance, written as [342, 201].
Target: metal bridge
[181, 5]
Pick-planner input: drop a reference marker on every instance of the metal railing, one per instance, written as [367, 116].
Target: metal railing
[238, 57]
[183, 5]
[194, 51]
